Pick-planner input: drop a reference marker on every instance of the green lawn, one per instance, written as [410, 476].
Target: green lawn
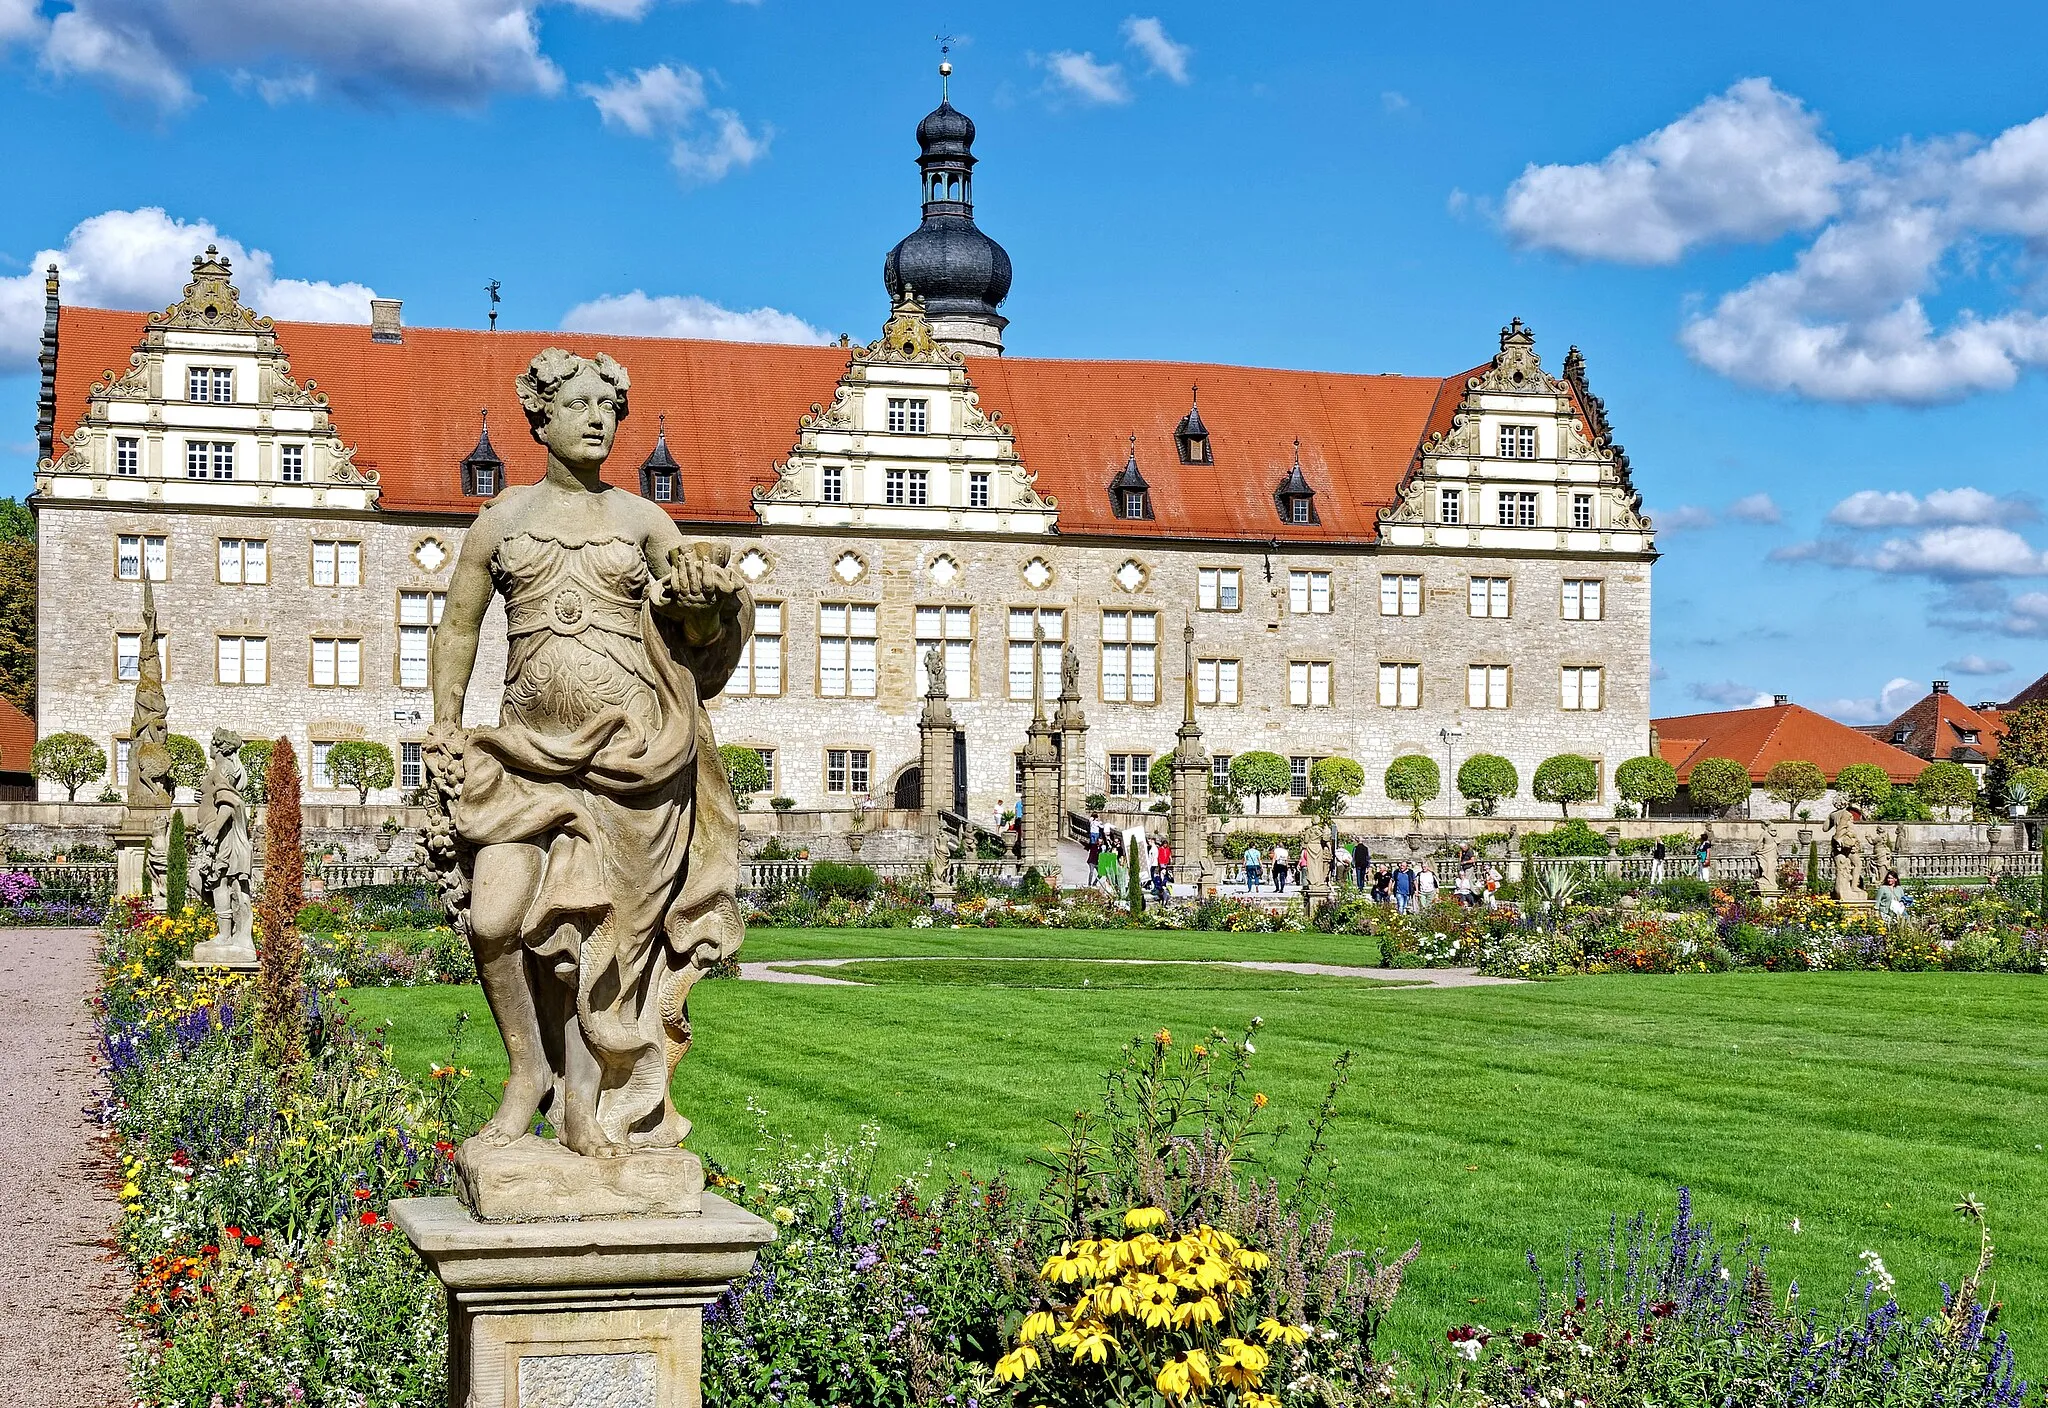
[1179, 976]
[775, 945]
[1481, 1121]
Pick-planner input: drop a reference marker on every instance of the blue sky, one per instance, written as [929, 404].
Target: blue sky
[1802, 256]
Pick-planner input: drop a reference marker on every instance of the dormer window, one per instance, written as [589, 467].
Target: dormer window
[661, 478]
[1295, 498]
[908, 416]
[210, 384]
[1968, 735]
[1902, 733]
[1135, 506]
[483, 473]
[1129, 495]
[1192, 437]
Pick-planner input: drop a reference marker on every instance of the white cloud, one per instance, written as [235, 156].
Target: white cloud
[1686, 518]
[1889, 702]
[1747, 165]
[636, 315]
[705, 143]
[1974, 550]
[20, 20]
[2027, 616]
[1729, 694]
[1755, 508]
[1391, 101]
[1977, 665]
[1872, 508]
[711, 155]
[1149, 37]
[1080, 76]
[142, 259]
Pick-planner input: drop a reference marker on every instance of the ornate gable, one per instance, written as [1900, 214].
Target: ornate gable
[211, 303]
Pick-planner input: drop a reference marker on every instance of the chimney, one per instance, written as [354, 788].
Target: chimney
[384, 324]
[1781, 699]
[1941, 686]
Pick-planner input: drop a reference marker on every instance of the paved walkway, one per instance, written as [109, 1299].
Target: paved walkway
[776, 971]
[60, 1287]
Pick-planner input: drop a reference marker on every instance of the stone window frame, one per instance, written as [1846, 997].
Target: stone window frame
[132, 444]
[1055, 647]
[781, 636]
[313, 644]
[818, 661]
[912, 483]
[437, 601]
[848, 789]
[142, 560]
[1220, 571]
[1298, 778]
[284, 452]
[981, 483]
[1141, 779]
[1489, 578]
[1129, 645]
[1599, 673]
[1397, 666]
[972, 640]
[212, 461]
[242, 667]
[163, 651]
[212, 376]
[1219, 769]
[244, 542]
[1584, 498]
[316, 769]
[313, 553]
[1564, 587]
[1401, 594]
[1513, 438]
[910, 408]
[766, 752]
[417, 762]
[1508, 693]
[1308, 590]
[1217, 701]
[1309, 683]
[1517, 500]
[829, 491]
[1450, 505]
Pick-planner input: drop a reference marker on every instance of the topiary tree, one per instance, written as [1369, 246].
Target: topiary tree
[280, 947]
[1261, 774]
[1134, 880]
[1566, 778]
[1946, 786]
[1484, 779]
[188, 762]
[1644, 780]
[177, 874]
[362, 765]
[1794, 781]
[1413, 778]
[2024, 741]
[256, 762]
[1717, 784]
[1903, 804]
[1330, 781]
[1863, 786]
[747, 771]
[1159, 781]
[68, 759]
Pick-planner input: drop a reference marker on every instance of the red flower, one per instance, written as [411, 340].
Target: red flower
[1663, 1308]
[252, 1241]
[363, 1195]
[444, 1148]
[246, 1308]
[232, 1233]
[1531, 1338]
[209, 1250]
[368, 1219]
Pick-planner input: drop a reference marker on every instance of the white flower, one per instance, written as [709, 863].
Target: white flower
[1250, 1050]
[1469, 1349]
[1795, 1226]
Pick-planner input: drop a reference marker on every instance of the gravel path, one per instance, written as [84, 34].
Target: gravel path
[775, 972]
[60, 1288]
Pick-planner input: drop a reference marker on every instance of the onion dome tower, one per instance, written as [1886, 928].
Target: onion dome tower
[959, 272]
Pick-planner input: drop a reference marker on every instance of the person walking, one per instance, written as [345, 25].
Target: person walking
[1657, 862]
[1165, 867]
[1279, 868]
[1492, 885]
[1361, 863]
[1251, 868]
[1704, 854]
[1404, 888]
[1425, 887]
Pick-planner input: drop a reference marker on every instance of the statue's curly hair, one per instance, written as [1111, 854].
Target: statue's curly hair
[553, 366]
[227, 738]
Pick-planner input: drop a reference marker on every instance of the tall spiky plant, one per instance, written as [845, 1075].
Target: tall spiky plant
[280, 948]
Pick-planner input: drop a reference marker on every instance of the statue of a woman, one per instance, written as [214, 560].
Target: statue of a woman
[226, 859]
[588, 842]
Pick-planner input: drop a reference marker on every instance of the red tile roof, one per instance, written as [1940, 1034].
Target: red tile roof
[1935, 727]
[410, 408]
[1758, 738]
[17, 736]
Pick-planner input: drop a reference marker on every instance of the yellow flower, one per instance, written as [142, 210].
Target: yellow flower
[1095, 1345]
[1258, 1400]
[1259, 1101]
[1164, 1038]
[1277, 1333]
[1037, 1325]
[1206, 1311]
[1251, 1260]
[1012, 1367]
[1240, 1364]
[1183, 1374]
[1069, 1264]
[784, 1215]
[1139, 1219]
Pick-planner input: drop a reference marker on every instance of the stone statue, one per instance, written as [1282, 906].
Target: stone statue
[1767, 856]
[1845, 844]
[1883, 854]
[226, 859]
[1070, 672]
[1318, 858]
[588, 843]
[149, 727]
[935, 673]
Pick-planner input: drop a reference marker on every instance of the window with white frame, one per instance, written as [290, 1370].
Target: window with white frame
[1581, 687]
[1129, 774]
[1022, 620]
[832, 484]
[209, 459]
[121, 746]
[244, 561]
[128, 655]
[321, 779]
[412, 766]
[337, 663]
[210, 384]
[847, 770]
[1489, 597]
[767, 757]
[1516, 508]
[418, 614]
[1518, 442]
[1308, 684]
[1486, 686]
[906, 486]
[1300, 768]
[1582, 510]
[137, 554]
[1450, 505]
[979, 483]
[1217, 588]
[485, 480]
[1400, 594]
[663, 482]
[846, 651]
[1308, 593]
[1219, 770]
[1130, 657]
[908, 416]
[337, 564]
[1582, 599]
[951, 628]
[760, 669]
[1400, 685]
[242, 660]
[291, 464]
[1216, 681]
[127, 456]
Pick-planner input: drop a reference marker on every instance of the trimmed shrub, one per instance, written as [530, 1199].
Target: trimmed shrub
[280, 948]
[1946, 786]
[1414, 779]
[362, 765]
[1484, 779]
[177, 877]
[1645, 780]
[1262, 774]
[1793, 781]
[188, 763]
[1564, 779]
[70, 760]
[830, 877]
[1717, 784]
[1863, 786]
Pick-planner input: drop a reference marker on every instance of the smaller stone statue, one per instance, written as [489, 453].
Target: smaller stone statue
[1883, 854]
[226, 859]
[935, 672]
[1318, 857]
[1070, 672]
[1767, 858]
[1845, 843]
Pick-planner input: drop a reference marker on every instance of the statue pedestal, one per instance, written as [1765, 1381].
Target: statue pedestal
[134, 841]
[214, 953]
[580, 1314]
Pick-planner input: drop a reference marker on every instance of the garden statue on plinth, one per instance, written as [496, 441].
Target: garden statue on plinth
[1845, 844]
[226, 859]
[1318, 859]
[1767, 860]
[139, 853]
[587, 846]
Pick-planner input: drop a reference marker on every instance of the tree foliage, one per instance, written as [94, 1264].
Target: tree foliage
[1792, 781]
[1645, 780]
[1863, 786]
[1343, 776]
[2032, 781]
[177, 867]
[1160, 779]
[280, 947]
[68, 759]
[1716, 784]
[362, 765]
[1413, 778]
[188, 762]
[256, 762]
[1946, 786]
[2024, 744]
[1484, 779]
[1902, 804]
[1262, 774]
[1565, 778]
[747, 772]
[18, 605]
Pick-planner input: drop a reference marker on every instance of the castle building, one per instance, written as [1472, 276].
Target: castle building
[1373, 565]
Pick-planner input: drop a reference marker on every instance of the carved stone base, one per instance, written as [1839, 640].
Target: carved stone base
[590, 1314]
[538, 1178]
[236, 958]
[135, 843]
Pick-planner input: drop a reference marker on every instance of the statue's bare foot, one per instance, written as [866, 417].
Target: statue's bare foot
[514, 1119]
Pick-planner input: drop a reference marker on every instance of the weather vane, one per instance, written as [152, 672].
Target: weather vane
[945, 43]
[492, 289]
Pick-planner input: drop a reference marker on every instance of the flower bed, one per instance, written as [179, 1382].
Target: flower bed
[25, 903]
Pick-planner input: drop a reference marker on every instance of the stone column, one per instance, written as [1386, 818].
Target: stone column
[935, 744]
[1072, 725]
[136, 851]
[1188, 821]
[1043, 815]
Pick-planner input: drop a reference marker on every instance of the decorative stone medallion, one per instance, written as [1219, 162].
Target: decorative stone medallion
[754, 564]
[1131, 575]
[849, 568]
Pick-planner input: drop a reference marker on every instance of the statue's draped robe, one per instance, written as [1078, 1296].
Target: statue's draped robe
[603, 760]
[224, 823]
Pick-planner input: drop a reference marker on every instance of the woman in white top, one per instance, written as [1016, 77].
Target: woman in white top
[1425, 887]
[1279, 869]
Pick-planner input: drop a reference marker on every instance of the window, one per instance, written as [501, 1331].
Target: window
[907, 486]
[1518, 442]
[337, 663]
[846, 770]
[1130, 774]
[760, 668]
[1308, 593]
[1130, 655]
[1134, 504]
[245, 560]
[1400, 686]
[1219, 770]
[1517, 508]
[1450, 505]
[121, 762]
[485, 479]
[1489, 597]
[137, 553]
[418, 612]
[1581, 687]
[664, 486]
[412, 766]
[1299, 768]
[846, 652]
[1400, 594]
[1582, 510]
[1486, 686]
[337, 564]
[1216, 681]
[1308, 684]
[1216, 588]
[952, 629]
[322, 780]
[128, 655]
[1582, 599]
[832, 485]
[907, 417]
[127, 456]
[209, 459]
[1297, 509]
[1022, 619]
[291, 464]
[210, 384]
[242, 660]
[978, 489]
